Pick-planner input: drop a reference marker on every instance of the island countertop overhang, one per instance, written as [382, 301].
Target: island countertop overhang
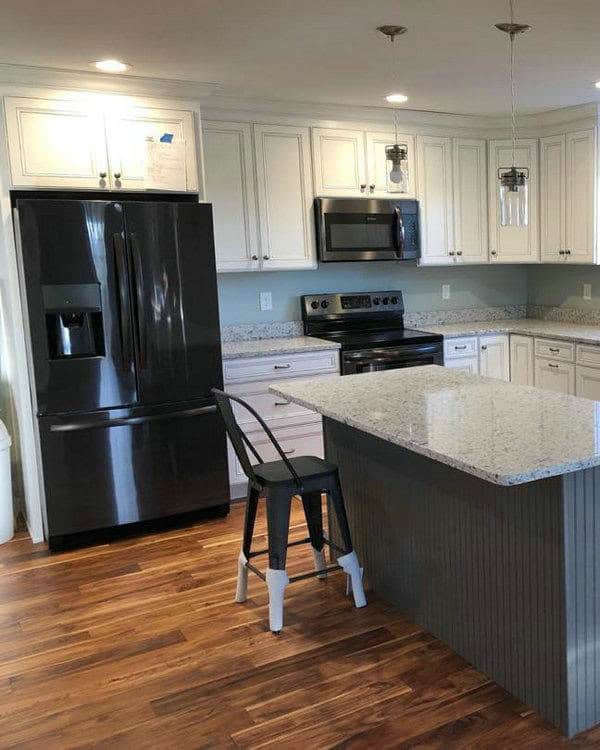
[500, 432]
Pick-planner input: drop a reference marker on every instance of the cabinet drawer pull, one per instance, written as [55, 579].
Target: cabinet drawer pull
[483, 347]
[554, 366]
[553, 349]
[282, 367]
[282, 403]
[289, 453]
[464, 346]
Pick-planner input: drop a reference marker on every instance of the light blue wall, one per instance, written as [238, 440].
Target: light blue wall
[563, 286]
[422, 287]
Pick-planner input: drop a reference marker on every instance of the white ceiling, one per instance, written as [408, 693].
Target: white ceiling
[451, 59]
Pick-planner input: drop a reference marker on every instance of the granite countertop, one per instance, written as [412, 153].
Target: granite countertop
[273, 347]
[501, 432]
[524, 326]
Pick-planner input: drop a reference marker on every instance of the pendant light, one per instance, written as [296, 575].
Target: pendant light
[396, 154]
[513, 182]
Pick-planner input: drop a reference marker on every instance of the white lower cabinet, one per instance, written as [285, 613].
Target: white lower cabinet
[469, 365]
[521, 360]
[553, 375]
[297, 429]
[587, 383]
[494, 356]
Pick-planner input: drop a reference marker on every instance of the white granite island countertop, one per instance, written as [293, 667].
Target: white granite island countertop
[275, 346]
[501, 432]
[524, 326]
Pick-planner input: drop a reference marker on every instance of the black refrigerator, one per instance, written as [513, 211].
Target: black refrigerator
[124, 322]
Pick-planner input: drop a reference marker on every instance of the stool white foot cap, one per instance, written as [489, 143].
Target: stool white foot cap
[320, 563]
[277, 580]
[241, 592]
[349, 563]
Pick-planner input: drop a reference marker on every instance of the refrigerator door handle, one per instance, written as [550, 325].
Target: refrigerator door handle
[125, 421]
[123, 301]
[139, 292]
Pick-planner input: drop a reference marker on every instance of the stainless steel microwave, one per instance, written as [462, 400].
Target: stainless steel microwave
[351, 229]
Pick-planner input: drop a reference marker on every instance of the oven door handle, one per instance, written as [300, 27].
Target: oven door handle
[399, 234]
[404, 352]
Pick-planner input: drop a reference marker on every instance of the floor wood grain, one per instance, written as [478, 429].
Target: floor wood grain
[138, 644]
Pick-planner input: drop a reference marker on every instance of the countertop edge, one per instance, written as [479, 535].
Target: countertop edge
[272, 347]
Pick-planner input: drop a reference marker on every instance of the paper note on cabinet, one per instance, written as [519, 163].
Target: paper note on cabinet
[165, 166]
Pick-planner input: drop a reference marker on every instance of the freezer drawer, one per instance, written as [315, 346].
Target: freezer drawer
[124, 467]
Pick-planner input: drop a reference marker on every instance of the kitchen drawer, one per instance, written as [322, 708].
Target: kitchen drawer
[294, 441]
[463, 347]
[281, 366]
[564, 350]
[588, 355]
[275, 410]
[553, 375]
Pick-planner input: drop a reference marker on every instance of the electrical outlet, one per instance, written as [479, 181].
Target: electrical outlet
[265, 301]
[587, 291]
[445, 291]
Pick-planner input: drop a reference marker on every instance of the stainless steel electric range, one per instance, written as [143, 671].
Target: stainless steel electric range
[370, 328]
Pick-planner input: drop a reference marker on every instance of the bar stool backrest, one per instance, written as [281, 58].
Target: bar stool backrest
[240, 441]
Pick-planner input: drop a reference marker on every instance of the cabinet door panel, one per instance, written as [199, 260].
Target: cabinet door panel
[55, 144]
[127, 134]
[587, 383]
[377, 164]
[435, 194]
[555, 376]
[581, 196]
[469, 365]
[552, 182]
[286, 219]
[339, 162]
[494, 357]
[521, 360]
[229, 176]
[470, 200]
[513, 244]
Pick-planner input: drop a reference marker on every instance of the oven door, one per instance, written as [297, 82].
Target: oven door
[391, 358]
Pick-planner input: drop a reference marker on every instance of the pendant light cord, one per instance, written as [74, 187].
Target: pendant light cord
[513, 103]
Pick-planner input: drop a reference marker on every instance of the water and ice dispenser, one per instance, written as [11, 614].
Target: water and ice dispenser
[74, 320]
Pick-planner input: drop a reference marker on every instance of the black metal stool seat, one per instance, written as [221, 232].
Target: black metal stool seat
[279, 481]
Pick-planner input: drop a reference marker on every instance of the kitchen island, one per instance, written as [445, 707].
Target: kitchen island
[475, 508]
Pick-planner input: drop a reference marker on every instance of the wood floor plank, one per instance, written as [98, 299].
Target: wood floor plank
[137, 643]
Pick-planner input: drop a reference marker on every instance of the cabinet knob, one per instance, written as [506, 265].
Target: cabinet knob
[483, 347]
[102, 175]
[265, 257]
[117, 175]
[363, 187]
[459, 252]
[451, 252]
[561, 252]
[255, 257]
[372, 188]
[567, 252]
[494, 252]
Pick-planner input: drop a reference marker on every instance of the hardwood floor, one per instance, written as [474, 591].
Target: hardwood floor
[138, 644]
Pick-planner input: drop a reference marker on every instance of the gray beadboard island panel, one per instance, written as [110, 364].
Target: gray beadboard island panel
[506, 575]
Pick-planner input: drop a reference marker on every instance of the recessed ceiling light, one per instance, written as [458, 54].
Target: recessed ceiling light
[397, 98]
[111, 66]
[597, 84]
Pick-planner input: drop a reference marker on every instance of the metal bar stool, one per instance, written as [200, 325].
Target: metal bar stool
[279, 481]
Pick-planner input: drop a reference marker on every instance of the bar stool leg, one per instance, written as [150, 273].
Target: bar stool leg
[349, 561]
[241, 593]
[313, 511]
[278, 524]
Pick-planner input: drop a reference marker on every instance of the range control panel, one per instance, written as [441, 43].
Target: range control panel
[339, 304]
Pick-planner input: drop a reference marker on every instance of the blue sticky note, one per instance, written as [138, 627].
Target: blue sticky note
[166, 138]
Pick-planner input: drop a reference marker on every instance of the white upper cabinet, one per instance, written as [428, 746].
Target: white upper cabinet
[434, 167]
[552, 191]
[127, 134]
[494, 357]
[285, 202]
[513, 244]
[339, 162]
[470, 200]
[378, 165]
[580, 221]
[229, 178]
[64, 144]
[55, 144]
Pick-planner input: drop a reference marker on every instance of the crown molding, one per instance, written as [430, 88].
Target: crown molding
[78, 80]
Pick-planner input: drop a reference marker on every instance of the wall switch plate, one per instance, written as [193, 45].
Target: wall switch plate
[445, 291]
[587, 291]
[265, 301]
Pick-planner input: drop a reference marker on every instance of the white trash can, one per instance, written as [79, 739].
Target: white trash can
[7, 516]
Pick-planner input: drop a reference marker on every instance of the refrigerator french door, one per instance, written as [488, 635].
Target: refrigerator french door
[123, 313]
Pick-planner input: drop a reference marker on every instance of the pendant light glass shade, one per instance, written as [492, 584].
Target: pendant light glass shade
[396, 168]
[514, 198]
